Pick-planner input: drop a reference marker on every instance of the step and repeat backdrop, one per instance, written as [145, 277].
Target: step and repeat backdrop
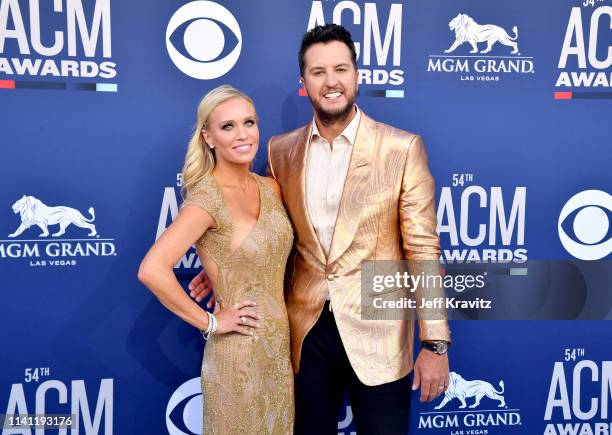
[97, 102]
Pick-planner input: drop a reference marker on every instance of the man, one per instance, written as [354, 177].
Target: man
[355, 190]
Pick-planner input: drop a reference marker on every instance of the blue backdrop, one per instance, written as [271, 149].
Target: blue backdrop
[98, 99]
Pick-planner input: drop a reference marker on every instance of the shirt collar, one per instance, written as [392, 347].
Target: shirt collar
[349, 132]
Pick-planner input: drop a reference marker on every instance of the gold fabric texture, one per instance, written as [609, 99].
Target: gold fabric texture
[386, 212]
[247, 382]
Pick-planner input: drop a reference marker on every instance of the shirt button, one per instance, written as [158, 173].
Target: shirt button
[330, 277]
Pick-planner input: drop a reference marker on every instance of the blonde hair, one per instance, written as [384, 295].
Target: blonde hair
[200, 158]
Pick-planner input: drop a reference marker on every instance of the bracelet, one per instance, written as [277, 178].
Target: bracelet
[214, 321]
[212, 326]
[206, 332]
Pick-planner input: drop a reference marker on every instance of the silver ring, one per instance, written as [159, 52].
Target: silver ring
[242, 320]
[440, 387]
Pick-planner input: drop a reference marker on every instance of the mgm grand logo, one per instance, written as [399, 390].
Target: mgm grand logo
[45, 248]
[492, 52]
[492, 412]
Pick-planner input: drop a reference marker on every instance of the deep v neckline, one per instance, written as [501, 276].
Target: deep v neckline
[230, 218]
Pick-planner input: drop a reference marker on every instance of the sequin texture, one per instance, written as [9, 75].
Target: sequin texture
[247, 382]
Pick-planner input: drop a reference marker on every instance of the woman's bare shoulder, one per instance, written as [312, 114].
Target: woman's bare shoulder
[273, 184]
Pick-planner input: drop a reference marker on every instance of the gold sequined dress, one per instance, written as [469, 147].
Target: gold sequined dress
[247, 382]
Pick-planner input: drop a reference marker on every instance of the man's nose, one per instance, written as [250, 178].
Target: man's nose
[331, 79]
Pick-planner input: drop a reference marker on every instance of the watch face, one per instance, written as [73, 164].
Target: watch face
[439, 347]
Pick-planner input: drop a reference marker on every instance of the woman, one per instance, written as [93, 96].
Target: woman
[243, 238]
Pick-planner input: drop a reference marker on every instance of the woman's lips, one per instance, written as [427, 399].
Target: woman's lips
[243, 148]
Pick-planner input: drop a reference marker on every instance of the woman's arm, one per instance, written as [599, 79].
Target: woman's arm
[157, 268]
[157, 273]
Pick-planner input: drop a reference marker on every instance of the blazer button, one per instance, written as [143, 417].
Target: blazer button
[330, 277]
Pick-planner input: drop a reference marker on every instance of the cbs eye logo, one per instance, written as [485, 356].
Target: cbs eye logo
[184, 410]
[588, 214]
[205, 32]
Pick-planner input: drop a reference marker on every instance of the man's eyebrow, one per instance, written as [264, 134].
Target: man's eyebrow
[321, 67]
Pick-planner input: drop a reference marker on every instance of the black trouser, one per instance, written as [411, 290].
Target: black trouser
[326, 373]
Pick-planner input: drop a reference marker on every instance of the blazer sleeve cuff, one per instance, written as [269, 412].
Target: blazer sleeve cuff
[434, 330]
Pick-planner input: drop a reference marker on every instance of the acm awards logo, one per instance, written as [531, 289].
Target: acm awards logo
[378, 52]
[379, 47]
[45, 235]
[169, 209]
[38, 394]
[579, 396]
[200, 21]
[56, 39]
[584, 225]
[493, 52]
[473, 395]
[481, 223]
[585, 59]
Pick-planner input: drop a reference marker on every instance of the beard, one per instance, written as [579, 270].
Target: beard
[339, 114]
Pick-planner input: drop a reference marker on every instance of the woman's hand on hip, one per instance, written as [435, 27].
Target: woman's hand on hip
[241, 318]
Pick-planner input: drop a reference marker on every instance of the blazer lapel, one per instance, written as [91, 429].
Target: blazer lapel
[297, 198]
[355, 190]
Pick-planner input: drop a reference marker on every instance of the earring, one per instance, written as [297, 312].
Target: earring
[211, 146]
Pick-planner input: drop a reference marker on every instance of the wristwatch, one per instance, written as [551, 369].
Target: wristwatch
[439, 347]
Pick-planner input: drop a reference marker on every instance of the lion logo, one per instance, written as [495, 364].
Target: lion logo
[34, 212]
[461, 389]
[468, 30]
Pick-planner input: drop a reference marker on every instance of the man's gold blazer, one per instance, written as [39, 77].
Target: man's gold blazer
[387, 212]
